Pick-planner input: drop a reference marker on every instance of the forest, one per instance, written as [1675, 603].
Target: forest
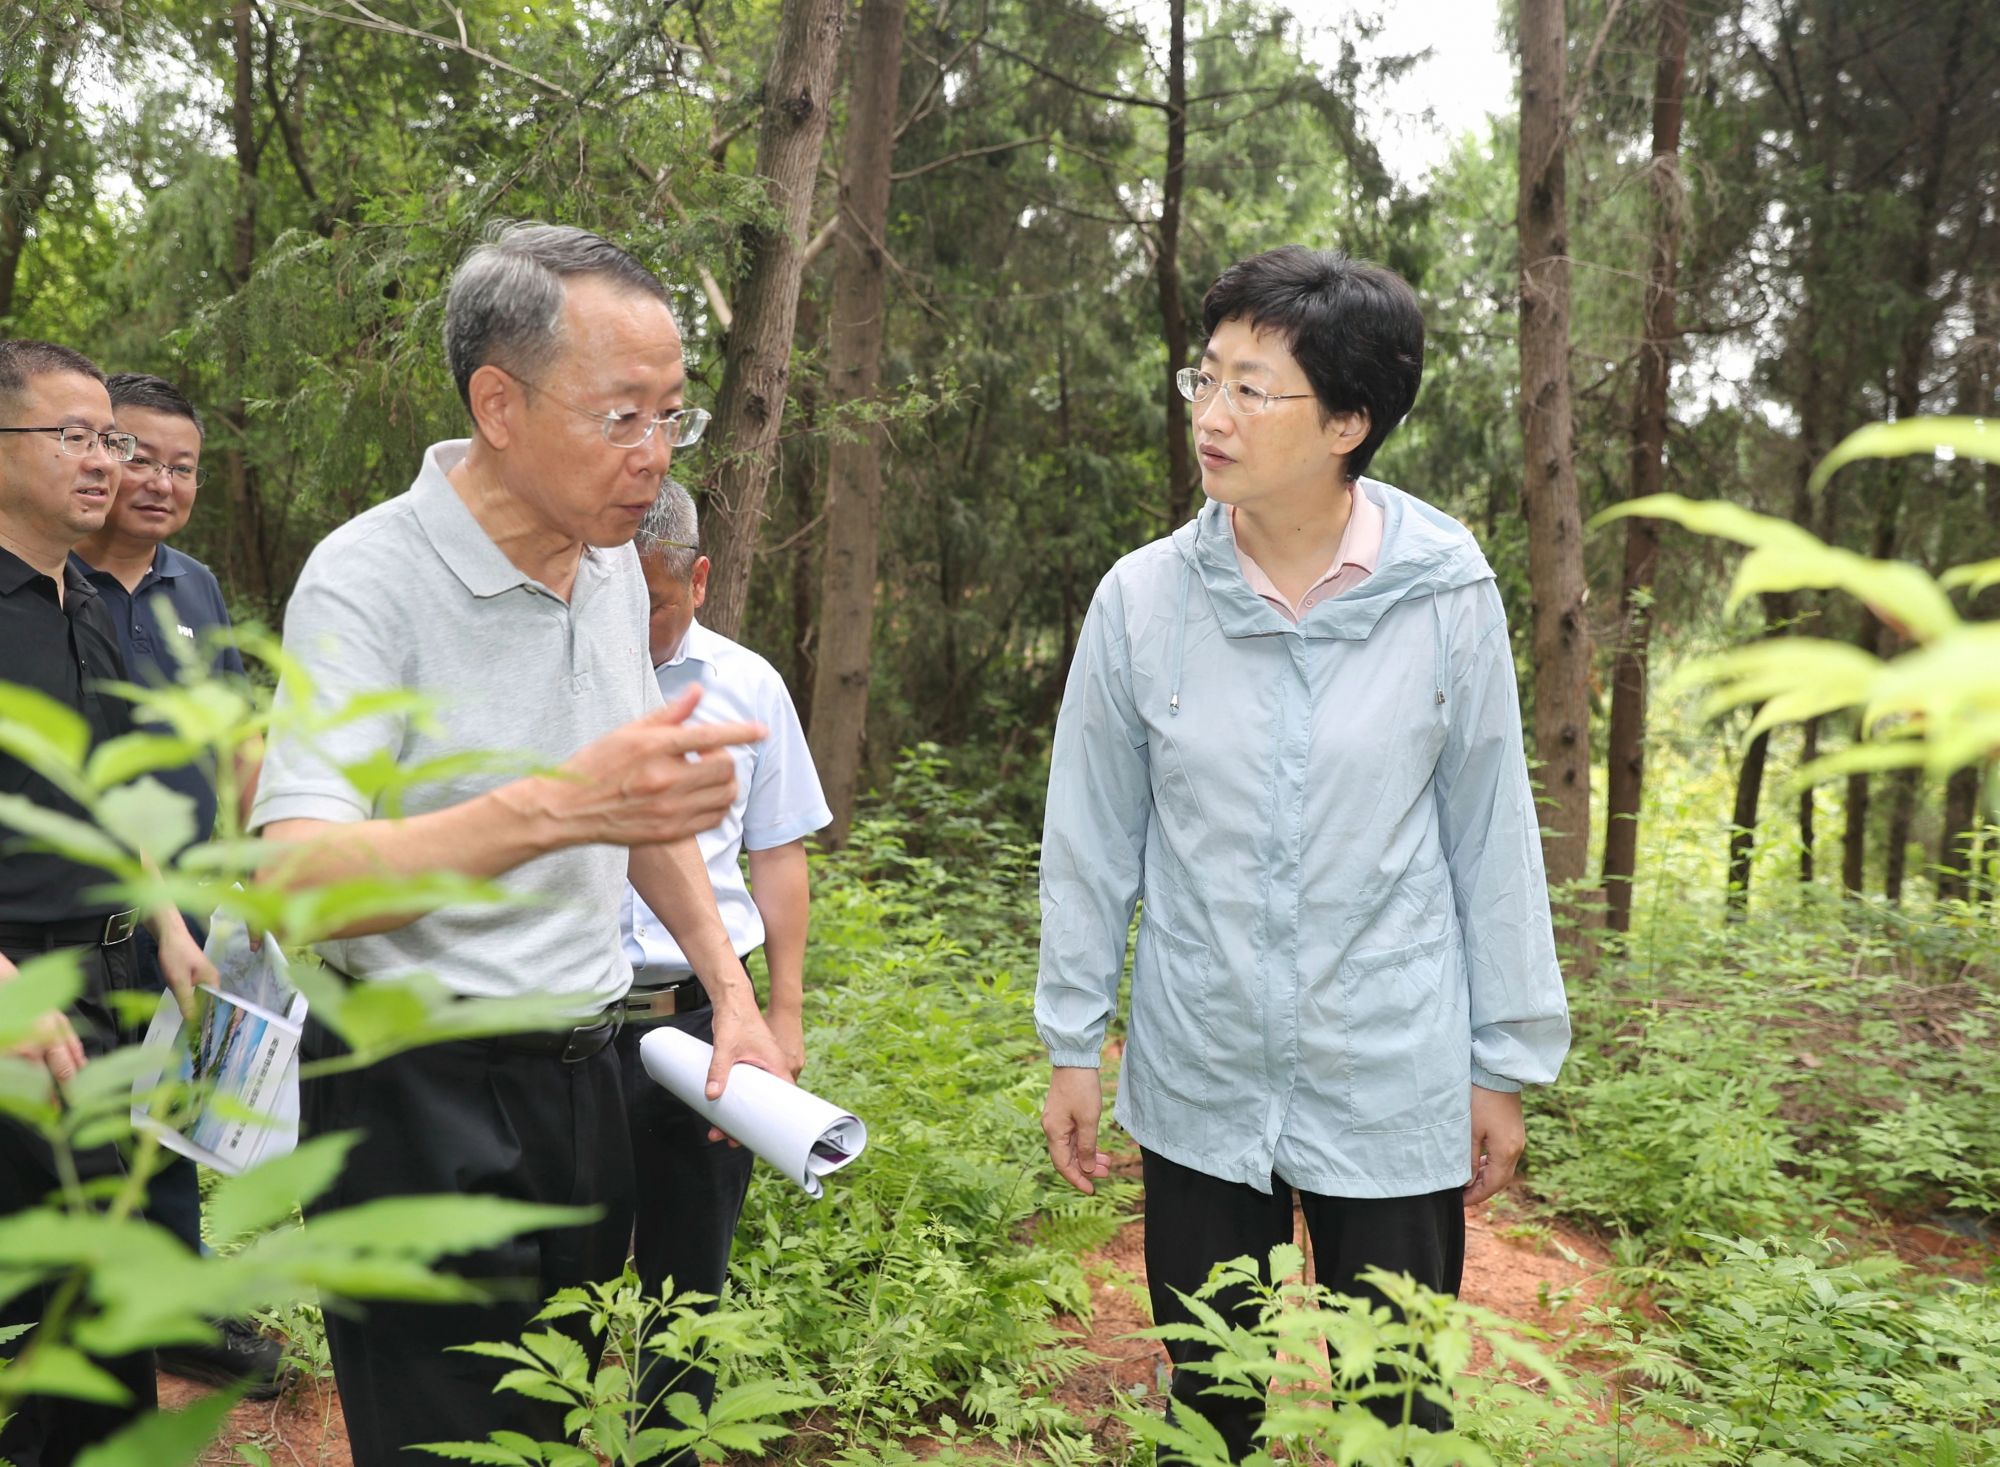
[1712, 337]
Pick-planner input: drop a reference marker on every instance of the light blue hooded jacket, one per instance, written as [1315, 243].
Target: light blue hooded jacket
[1346, 923]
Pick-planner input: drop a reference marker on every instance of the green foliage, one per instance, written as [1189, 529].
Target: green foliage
[928, 1278]
[1936, 707]
[604, 1405]
[1761, 1079]
[118, 1283]
[1798, 1359]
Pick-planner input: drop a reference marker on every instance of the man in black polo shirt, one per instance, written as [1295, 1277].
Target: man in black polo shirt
[164, 603]
[59, 453]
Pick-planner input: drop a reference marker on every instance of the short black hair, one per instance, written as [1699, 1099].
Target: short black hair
[23, 359]
[143, 390]
[1355, 328]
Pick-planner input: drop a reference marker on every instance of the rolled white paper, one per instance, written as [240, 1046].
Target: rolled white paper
[794, 1130]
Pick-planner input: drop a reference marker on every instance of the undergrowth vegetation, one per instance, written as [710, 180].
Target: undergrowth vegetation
[921, 1295]
[1748, 1108]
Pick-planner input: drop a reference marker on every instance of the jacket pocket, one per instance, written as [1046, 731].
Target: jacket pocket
[1169, 1043]
[1409, 1049]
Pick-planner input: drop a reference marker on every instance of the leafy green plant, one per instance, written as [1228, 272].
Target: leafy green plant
[1936, 707]
[1798, 1358]
[119, 1284]
[603, 1403]
[1345, 1375]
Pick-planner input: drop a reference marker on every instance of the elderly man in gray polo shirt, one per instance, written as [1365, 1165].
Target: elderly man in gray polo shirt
[503, 585]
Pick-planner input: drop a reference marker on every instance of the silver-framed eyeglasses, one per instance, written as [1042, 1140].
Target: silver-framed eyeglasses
[181, 476]
[76, 441]
[1241, 398]
[628, 430]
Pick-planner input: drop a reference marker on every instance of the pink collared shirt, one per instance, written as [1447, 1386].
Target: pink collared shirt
[1353, 562]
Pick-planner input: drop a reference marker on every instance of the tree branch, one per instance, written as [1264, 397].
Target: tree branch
[1125, 99]
[294, 149]
[963, 153]
[366, 19]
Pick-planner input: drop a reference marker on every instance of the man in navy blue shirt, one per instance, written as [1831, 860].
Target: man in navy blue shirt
[165, 604]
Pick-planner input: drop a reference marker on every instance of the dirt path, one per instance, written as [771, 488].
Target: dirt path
[302, 1428]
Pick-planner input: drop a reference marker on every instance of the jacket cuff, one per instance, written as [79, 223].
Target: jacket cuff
[1075, 1059]
[1486, 1080]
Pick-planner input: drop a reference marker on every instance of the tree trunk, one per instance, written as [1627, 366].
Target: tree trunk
[251, 551]
[1958, 849]
[1854, 838]
[1627, 760]
[1896, 842]
[26, 174]
[1808, 751]
[1906, 396]
[1167, 271]
[1743, 824]
[839, 722]
[757, 364]
[1549, 493]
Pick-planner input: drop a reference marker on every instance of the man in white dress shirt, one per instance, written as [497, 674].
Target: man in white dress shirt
[691, 1189]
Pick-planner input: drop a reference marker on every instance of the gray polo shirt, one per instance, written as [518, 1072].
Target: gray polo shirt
[413, 594]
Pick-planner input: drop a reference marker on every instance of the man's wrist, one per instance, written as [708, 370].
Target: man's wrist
[535, 810]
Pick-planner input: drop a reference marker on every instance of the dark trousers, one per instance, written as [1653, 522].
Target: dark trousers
[173, 1193]
[690, 1195]
[1195, 1221]
[480, 1117]
[50, 1431]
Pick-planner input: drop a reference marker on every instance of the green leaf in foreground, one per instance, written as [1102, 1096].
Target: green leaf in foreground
[58, 1370]
[44, 985]
[77, 839]
[164, 1438]
[1784, 557]
[1958, 437]
[265, 1196]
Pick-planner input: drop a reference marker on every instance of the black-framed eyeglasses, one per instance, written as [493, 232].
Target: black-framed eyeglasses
[76, 441]
[628, 430]
[1241, 398]
[182, 476]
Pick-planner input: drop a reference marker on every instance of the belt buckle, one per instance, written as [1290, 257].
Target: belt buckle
[591, 1039]
[119, 927]
[658, 1003]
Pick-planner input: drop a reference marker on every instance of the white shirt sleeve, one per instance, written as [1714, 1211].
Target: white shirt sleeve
[786, 801]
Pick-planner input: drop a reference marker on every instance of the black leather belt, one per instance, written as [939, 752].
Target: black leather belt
[685, 997]
[82, 932]
[571, 1046]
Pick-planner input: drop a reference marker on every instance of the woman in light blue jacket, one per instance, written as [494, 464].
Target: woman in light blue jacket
[1292, 729]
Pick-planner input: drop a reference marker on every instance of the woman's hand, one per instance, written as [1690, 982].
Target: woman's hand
[1499, 1136]
[1069, 1120]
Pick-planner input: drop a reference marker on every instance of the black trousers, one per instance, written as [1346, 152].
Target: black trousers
[50, 1431]
[173, 1192]
[1195, 1221]
[472, 1116]
[690, 1197]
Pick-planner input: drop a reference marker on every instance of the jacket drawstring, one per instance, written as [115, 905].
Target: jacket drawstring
[1441, 665]
[1180, 640]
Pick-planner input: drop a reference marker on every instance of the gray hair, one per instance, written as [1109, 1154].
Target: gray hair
[505, 303]
[671, 531]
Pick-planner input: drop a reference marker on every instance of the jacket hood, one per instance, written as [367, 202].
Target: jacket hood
[1425, 552]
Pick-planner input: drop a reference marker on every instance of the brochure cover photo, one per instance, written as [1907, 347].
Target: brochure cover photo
[240, 1060]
